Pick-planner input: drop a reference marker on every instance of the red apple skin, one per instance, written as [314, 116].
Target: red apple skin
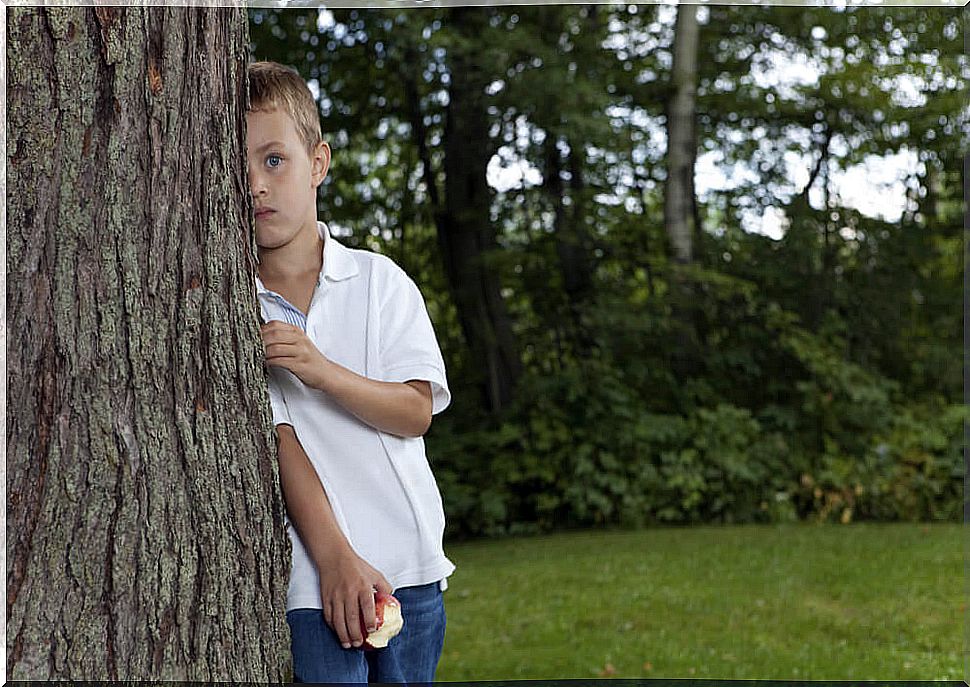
[380, 600]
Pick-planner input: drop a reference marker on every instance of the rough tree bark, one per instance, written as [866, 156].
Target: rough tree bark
[144, 514]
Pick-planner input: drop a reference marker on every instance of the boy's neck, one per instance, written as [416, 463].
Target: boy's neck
[299, 259]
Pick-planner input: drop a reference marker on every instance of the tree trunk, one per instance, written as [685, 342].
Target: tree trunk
[573, 245]
[465, 230]
[143, 504]
[679, 203]
[681, 137]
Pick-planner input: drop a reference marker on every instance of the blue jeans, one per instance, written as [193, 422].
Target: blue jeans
[411, 657]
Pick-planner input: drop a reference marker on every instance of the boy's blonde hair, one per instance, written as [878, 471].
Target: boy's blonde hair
[273, 85]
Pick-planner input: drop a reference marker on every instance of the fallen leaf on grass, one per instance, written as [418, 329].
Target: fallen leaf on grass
[608, 670]
[648, 666]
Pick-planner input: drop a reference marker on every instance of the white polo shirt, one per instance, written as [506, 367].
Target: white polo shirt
[367, 315]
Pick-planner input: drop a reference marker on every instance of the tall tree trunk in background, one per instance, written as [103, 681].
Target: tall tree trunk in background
[465, 230]
[573, 244]
[681, 137]
[805, 241]
[679, 203]
[143, 505]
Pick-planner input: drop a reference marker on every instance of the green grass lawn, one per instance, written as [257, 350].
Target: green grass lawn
[802, 602]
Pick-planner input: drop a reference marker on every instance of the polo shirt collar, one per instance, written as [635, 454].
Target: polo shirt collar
[338, 262]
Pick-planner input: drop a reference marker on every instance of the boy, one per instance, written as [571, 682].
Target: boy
[355, 377]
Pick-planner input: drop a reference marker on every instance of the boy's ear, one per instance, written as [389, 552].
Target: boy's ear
[320, 163]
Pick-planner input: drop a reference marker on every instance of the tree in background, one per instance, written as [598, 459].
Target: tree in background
[679, 197]
[680, 202]
[145, 517]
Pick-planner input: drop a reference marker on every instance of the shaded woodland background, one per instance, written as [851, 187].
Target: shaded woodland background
[621, 355]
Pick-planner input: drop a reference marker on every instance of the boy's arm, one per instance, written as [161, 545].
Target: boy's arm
[347, 582]
[402, 408]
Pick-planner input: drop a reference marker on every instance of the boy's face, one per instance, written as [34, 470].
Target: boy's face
[283, 178]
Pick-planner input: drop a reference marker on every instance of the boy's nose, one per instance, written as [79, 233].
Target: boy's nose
[256, 185]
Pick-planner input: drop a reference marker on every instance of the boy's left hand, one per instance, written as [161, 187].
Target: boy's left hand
[287, 346]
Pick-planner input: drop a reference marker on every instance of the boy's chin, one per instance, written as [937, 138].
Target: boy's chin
[273, 238]
[274, 231]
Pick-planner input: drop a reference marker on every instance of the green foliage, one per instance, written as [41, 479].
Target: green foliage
[913, 471]
[925, 449]
[588, 444]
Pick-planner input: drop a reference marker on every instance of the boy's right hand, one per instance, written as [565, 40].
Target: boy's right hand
[347, 586]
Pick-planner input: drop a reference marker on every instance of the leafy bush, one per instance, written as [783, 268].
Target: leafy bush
[589, 444]
[914, 471]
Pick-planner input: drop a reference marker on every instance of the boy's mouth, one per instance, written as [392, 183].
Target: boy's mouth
[264, 212]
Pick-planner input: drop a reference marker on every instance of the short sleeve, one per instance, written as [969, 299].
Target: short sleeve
[281, 415]
[408, 346]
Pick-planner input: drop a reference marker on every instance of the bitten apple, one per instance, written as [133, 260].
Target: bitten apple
[389, 621]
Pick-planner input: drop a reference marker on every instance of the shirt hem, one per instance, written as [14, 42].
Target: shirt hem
[424, 576]
[410, 578]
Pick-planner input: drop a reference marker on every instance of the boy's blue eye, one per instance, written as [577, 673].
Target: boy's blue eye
[271, 158]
